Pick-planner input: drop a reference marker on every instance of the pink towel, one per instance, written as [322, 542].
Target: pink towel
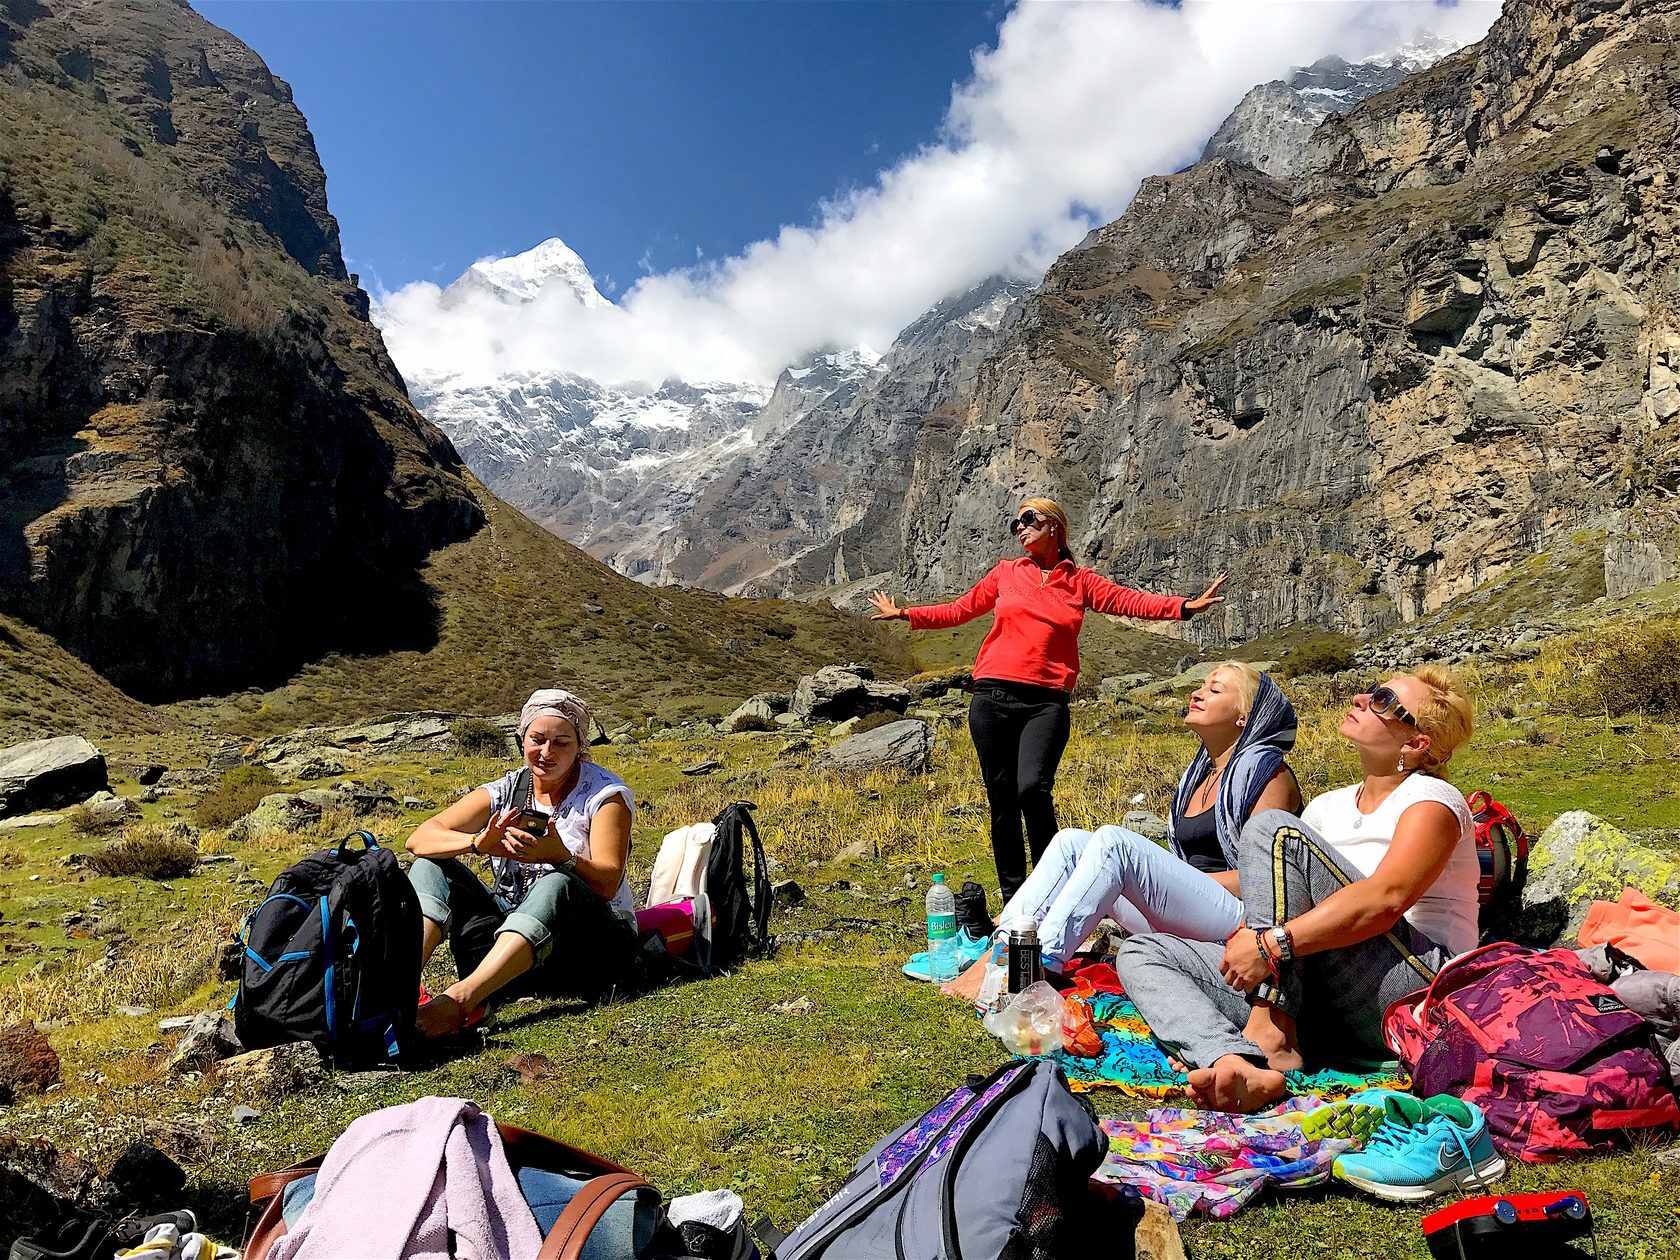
[400, 1180]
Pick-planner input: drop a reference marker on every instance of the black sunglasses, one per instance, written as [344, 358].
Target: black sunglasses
[1027, 520]
[1382, 701]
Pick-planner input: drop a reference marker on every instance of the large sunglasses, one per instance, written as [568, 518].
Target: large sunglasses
[1027, 520]
[1382, 701]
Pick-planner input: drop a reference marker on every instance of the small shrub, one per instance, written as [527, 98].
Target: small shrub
[150, 851]
[1632, 669]
[234, 795]
[83, 821]
[1321, 656]
[752, 722]
[475, 737]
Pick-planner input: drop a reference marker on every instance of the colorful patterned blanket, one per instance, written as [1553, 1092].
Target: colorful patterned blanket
[1215, 1162]
[1132, 1063]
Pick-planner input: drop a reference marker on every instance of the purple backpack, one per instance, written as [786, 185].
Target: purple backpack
[1555, 1059]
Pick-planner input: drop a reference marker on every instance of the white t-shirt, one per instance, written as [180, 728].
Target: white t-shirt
[596, 785]
[1447, 911]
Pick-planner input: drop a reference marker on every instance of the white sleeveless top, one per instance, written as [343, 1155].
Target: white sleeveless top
[1447, 911]
[596, 786]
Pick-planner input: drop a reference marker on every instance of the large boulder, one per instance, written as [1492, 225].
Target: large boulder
[907, 745]
[276, 812]
[275, 1070]
[208, 1038]
[940, 685]
[755, 715]
[28, 1064]
[837, 692]
[1114, 689]
[104, 812]
[1580, 859]
[47, 773]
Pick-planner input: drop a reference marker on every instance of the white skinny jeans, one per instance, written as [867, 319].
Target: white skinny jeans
[1084, 875]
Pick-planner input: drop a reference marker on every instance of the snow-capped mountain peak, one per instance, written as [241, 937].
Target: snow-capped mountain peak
[522, 277]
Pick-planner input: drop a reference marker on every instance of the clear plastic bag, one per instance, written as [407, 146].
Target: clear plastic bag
[1031, 1023]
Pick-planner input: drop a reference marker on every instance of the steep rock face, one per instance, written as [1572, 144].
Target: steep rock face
[820, 505]
[210, 467]
[1451, 338]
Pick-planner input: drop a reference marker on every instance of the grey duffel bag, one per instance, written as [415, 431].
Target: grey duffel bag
[999, 1170]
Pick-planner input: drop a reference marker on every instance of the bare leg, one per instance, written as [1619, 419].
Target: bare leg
[1235, 1084]
[1274, 1032]
[431, 936]
[509, 958]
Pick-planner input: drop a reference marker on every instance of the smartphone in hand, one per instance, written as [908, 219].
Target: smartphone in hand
[532, 822]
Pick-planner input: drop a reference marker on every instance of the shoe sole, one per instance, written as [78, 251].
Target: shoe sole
[1347, 1121]
[1478, 1179]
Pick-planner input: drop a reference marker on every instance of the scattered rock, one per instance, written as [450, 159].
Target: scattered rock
[1148, 825]
[28, 821]
[659, 627]
[843, 730]
[149, 774]
[1581, 858]
[701, 767]
[208, 1038]
[787, 719]
[132, 1012]
[243, 1115]
[413, 802]
[531, 1068]
[175, 1023]
[1114, 689]
[143, 1177]
[944, 685]
[837, 692]
[755, 714]
[910, 880]
[857, 851]
[1184, 663]
[1669, 1160]
[594, 610]
[795, 746]
[47, 773]
[907, 745]
[28, 1063]
[230, 959]
[107, 812]
[276, 812]
[787, 893]
[798, 1006]
[275, 1070]
[1156, 1236]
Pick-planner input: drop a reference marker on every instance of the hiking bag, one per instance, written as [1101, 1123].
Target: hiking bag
[699, 879]
[999, 1170]
[1557, 1062]
[1502, 850]
[333, 957]
[610, 1214]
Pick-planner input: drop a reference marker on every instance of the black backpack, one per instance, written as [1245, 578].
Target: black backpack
[333, 957]
[740, 915]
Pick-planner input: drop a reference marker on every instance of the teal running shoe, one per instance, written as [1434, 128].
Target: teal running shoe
[1447, 1147]
[970, 949]
[1353, 1119]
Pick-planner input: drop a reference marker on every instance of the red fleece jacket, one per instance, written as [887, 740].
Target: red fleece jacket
[1035, 634]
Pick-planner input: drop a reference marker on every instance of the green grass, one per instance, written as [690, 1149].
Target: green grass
[708, 1084]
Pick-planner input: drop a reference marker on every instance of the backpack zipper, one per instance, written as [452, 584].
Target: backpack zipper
[948, 1179]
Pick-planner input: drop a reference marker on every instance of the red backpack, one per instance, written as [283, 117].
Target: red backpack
[1502, 850]
[1555, 1059]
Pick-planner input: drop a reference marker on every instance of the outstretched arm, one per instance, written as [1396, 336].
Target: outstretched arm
[979, 601]
[1104, 596]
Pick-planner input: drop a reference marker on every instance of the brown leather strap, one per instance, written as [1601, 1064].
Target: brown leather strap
[523, 1147]
[270, 1229]
[267, 1185]
[565, 1241]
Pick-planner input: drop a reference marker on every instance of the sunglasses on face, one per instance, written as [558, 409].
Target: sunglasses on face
[1027, 520]
[1382, 701]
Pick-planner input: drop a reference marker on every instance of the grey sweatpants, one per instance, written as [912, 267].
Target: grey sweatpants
[1337, 998]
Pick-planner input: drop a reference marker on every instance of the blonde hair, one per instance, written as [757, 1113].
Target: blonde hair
[1245, 681]
[1052, 511]
[1446, 717]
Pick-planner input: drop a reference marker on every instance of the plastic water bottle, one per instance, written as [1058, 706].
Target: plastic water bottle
[942, 931]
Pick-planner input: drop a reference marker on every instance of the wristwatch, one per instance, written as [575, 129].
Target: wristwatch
[1285, 943]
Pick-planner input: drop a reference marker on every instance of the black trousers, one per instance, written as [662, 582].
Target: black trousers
[1019, 734]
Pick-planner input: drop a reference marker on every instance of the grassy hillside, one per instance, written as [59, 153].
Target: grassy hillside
[44, 690]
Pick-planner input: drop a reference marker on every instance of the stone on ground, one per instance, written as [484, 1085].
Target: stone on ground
[276, 812]
[756, 714]
[149, 774]
[275, 1070]
[837, 692]
[1149, 826]
[28, 1063]
[48, 773]
[142, 1177]
[107, 812]
[530, 1068]
[906, 745]
[208, 1038]
[1580, 859]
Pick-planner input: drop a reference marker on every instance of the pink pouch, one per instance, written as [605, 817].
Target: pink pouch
[674, 921]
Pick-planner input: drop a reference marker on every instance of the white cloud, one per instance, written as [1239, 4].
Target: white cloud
[1050, 135]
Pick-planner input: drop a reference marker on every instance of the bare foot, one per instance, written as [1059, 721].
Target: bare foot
[1274, 1033]
[1177, 1065]
[1235, 1084]
[443, 1016]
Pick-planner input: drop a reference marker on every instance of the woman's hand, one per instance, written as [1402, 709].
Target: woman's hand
[885, 608]
[1207, 599]
[492, 841]
[544, 847]
[1244, 965]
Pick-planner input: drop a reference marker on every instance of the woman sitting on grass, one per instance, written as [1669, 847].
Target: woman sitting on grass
[1246, 725]
[1346, 909]
[558, 839]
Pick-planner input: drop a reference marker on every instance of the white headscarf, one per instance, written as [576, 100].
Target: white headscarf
[557, 702]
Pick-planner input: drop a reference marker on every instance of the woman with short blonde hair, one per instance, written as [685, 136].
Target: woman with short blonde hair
[1027, 667]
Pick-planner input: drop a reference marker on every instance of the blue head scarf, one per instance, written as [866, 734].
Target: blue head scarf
[1268, 733]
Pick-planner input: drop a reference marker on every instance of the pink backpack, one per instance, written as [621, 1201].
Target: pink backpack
[1554, 1058]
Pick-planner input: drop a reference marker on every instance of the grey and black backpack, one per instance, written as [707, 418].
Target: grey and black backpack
[999, 1170]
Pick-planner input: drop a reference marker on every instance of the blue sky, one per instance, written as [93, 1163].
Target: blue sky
[637, 132]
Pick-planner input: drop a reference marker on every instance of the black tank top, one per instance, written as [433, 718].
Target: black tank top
[1198, 836]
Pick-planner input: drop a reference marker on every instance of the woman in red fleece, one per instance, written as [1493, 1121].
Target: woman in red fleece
[1027, 667]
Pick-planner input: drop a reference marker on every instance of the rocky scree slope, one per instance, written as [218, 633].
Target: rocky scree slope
[1452, 338]
[209, 468]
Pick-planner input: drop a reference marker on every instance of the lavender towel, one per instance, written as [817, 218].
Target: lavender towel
[398, 1182]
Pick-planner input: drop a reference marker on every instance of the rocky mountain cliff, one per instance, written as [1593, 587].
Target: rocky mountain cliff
[209, 468]
[1451, 339]
[1271, 127]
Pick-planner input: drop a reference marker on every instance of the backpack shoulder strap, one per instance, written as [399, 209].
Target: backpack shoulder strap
[739, 817]
[565, 1241]
[521, 787]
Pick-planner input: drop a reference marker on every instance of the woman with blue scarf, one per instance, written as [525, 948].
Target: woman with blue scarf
[1246, 725]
